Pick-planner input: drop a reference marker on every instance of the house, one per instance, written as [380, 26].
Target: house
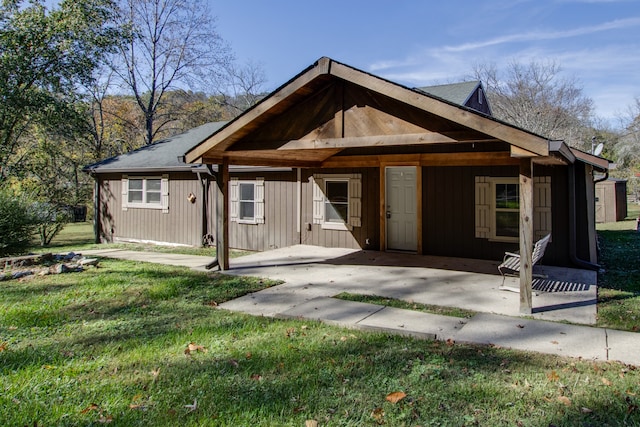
[150, 195]
[382, 166]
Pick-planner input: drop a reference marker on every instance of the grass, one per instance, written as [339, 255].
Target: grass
[79, 236]
[619, 285]
[137, 344]
[406, 305]
[111, 346]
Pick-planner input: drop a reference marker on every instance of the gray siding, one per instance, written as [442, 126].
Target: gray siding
[313, 234]
[181, 225]
[279, 228]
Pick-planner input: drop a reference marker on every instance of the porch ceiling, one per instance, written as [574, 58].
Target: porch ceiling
[331, 109]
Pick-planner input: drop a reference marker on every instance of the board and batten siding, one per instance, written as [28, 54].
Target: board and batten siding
[280, 207]
[449, 213]
[357, 238]
[181, 225]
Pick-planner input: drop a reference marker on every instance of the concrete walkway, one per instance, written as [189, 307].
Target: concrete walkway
[313, 275]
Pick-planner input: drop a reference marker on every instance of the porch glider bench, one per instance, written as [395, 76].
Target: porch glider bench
[511, 262]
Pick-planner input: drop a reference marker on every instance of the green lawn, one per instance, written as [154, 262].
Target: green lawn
[619, 285]
[111, 346]
[138, 344]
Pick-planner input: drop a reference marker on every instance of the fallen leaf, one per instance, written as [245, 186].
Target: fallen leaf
[396, 396]
[606, 382]
[565, 400]
[311, 423]
[553, 376]
[378, 415]
[630, 393]
[586, 410]
[155, 373]
[234, 363]
[193, 407]
[555, 342]
[92, 407]
[450, 342]
[194, 348]
[343, 338]
[105, 420]
[256, 377]
[3, 346]
[248, 355]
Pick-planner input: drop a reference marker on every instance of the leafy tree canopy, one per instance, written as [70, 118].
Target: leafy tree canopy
[45, 54]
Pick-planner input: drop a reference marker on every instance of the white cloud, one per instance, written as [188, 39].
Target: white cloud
[546, 35]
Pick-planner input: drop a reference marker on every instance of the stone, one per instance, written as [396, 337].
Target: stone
[88, 261]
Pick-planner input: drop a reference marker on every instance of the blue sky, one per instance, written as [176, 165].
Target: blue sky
[419, 43]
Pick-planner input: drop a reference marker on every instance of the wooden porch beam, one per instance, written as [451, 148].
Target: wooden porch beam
[222, 216]
[526, 235]
[432, 159]
[368, 141]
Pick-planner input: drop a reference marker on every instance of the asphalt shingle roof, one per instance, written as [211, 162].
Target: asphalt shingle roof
[162, 155]
[457, 93]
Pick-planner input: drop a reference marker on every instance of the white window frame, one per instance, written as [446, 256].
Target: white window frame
[329, 224]
[258, 200]
[354, 204]
[494, 210]
[485, 222]
[163, 202]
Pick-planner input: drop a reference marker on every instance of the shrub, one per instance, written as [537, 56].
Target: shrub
[17, 223]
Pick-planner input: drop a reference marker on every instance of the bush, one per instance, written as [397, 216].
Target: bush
[17, 223]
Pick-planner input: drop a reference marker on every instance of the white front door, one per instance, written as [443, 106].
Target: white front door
[401, 211]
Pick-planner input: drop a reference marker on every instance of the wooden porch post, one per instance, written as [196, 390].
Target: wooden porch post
[222, 216]
[526, 235]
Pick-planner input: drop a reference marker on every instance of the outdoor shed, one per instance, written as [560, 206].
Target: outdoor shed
[611, 200]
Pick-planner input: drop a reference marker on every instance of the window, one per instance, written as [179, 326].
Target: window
[497, 208]
[247, 201]
[506, 208]
[336, 207]
[145, 192]
[337, 200]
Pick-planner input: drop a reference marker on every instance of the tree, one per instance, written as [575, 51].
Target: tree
[240, 87]
[44, 56]
[627, 150]
[535, 97]
[174, 46]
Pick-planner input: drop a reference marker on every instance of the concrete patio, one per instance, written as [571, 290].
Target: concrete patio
[310, 272]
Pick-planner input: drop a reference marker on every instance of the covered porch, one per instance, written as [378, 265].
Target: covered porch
[311, 272]
[337, 120]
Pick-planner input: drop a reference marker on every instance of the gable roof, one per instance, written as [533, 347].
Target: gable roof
[160, 156]
[427, 119]
[458, 93]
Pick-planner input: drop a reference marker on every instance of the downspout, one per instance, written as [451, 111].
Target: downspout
[96, 209]
[572, 227]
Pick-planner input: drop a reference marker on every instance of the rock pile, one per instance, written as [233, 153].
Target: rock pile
[43, 265]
